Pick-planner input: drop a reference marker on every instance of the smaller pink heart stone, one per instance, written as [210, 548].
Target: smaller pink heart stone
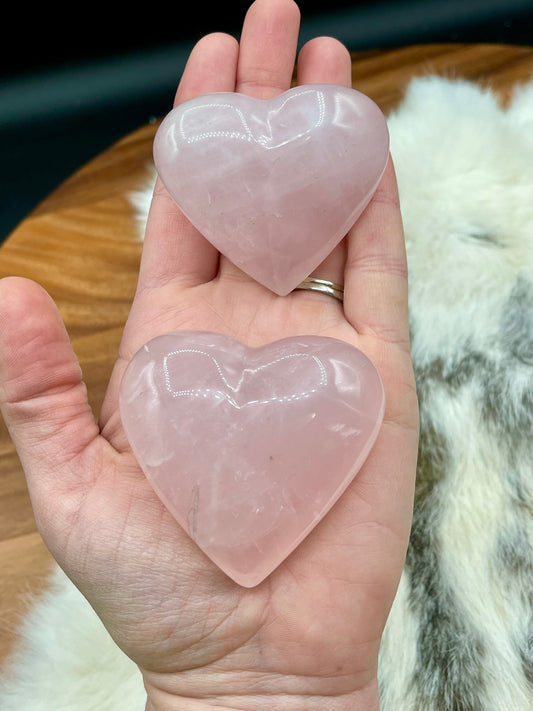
[274, 184]
[248, 448]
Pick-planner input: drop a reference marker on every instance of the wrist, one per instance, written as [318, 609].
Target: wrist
[366, 699]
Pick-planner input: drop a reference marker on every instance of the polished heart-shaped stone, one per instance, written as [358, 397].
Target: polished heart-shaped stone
[249, 448]
[274, 184]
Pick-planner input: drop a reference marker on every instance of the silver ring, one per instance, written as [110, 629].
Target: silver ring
[323, 286]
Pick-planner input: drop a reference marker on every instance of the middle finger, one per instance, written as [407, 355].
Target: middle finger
[267, 56]
[268, 45]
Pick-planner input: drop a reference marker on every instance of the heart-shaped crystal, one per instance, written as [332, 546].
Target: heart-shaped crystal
[274, 184]
[248, 448]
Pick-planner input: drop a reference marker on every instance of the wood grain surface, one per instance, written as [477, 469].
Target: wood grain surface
[81, 244]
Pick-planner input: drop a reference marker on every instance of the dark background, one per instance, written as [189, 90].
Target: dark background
[74, 81]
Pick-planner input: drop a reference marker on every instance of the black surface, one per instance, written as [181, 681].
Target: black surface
[76, 83]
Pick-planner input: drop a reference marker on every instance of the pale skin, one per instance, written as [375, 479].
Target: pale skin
[307, 638]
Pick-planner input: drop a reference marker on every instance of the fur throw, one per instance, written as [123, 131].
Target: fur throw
[460, 633]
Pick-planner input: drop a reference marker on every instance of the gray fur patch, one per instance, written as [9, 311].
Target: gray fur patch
[517, 321]
[450, 651]
[483, 238]
[514, 555]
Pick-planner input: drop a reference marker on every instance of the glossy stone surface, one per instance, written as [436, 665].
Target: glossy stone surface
[250, 447]
[275, 184]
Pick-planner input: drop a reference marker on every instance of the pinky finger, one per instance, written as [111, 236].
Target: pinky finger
[375, 289]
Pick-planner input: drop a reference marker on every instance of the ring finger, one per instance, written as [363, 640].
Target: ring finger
[325, 60]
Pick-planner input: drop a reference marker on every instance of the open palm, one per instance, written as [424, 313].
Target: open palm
[312, 629]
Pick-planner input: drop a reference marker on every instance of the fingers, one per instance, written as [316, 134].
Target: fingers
[42, 396]
[174, 250]
[375, 290]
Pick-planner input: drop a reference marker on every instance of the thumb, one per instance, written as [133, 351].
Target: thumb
[42, 395]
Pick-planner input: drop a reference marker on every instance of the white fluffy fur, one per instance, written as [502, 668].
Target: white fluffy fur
[465, 172]
[66, 660]
[464, 168]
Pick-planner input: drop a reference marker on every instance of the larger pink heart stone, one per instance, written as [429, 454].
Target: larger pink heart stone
[249, 448]
[275, 184]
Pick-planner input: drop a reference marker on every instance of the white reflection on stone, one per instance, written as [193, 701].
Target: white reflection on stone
[220, 394]
[246, 133]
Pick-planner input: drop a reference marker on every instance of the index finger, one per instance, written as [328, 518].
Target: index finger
[173, 249]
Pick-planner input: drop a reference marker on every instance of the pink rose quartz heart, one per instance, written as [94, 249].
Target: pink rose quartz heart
[248, 448]
[275, 184]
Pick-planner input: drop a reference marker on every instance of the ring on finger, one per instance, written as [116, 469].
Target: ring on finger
[324, 286]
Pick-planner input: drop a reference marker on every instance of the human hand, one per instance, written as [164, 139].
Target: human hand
[308, 636]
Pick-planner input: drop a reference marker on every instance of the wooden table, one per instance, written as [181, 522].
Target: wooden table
[82, 246]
